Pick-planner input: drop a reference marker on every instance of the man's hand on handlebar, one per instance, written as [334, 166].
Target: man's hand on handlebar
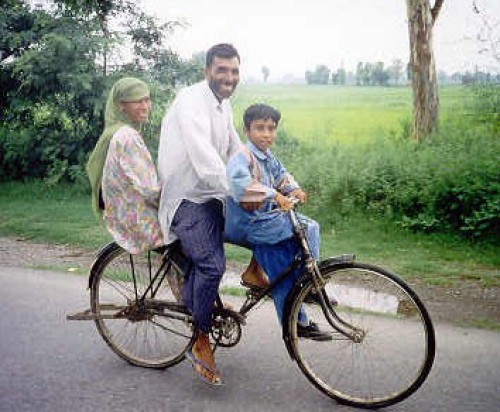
[284, 203]
[299, 194]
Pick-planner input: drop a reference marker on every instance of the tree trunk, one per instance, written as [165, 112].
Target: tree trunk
[104, 27]
[421, 18]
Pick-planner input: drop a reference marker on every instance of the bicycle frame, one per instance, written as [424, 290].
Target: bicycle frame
[138, 310]
[313, 271]
[304, 258]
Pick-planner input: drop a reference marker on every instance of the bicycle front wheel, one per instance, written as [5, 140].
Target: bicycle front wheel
[151, 332]
[388, 345]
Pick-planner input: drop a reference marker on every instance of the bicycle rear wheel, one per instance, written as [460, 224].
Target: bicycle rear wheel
[393, 347]
[154, 332]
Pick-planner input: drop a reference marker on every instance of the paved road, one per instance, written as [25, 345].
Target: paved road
[50, 364]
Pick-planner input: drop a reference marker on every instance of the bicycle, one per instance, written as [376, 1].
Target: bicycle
[383, 342]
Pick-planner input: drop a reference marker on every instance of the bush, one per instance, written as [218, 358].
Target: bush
[449, 182]
[47, 140]
[52, 140]
[486, 106]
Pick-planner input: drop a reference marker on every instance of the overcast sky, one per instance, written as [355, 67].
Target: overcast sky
[292, 36]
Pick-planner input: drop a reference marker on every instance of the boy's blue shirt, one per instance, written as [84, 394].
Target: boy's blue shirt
[266, 225]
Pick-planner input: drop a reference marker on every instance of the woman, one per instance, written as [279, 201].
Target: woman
[125, 188]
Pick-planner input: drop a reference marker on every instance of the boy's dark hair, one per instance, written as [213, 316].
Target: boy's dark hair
[222, 50]
[260, 112]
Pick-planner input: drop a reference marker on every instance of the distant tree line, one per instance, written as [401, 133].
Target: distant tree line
[376, 74]
[468, 78]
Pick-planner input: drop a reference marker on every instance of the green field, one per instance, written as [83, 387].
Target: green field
[343, 114]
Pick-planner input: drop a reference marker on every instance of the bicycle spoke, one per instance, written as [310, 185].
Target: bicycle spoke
[184, 335]
[394, 353]
[140, 335]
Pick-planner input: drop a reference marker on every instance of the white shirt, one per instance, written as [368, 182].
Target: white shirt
[197, 137]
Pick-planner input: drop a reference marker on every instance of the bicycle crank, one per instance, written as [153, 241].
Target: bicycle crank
[226, 327]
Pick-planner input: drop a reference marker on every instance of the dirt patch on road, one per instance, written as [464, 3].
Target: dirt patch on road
[468, 303]
[22, 253]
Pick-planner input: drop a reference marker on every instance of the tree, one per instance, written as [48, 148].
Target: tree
[367, 74]
[359, 73]
[265, 72]
[396, 70]
[51, 118]
[421, 19]
[320, 76]
[380, 76]
[488, 36]
[53, 81]
[146, 34]
[102, 10]
[339, 77]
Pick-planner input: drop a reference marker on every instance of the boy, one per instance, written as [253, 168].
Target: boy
[259, 184]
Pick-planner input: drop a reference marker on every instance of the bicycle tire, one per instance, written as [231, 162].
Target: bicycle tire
[396, 353]
[143, 337]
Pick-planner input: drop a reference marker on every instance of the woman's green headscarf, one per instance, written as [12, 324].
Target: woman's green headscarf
[127, 89]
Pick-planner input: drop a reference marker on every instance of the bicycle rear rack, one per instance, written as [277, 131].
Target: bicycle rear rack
[87, 314]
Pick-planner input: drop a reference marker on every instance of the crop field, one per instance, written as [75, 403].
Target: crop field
[340, 114]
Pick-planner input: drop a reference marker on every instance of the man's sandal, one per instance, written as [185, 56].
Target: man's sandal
[196, 362]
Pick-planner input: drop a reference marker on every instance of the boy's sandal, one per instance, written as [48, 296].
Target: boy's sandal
[196, 362]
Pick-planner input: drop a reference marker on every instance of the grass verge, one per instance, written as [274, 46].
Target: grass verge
[63, 215]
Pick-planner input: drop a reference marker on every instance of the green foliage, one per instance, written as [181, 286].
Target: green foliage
[47, 140]
[486, 107]
[55, 74]
[19, 28]
[370, 74]
[450, 182]
[52, 116]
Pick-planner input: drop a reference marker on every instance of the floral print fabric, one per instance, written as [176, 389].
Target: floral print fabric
[131, 191]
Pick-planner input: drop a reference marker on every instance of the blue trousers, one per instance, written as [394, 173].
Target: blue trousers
[275, 258]
[200, 229]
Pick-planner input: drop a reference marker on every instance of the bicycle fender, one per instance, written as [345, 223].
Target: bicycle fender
[343, 260]
[339, 262]
[298, 286]
[101, 254]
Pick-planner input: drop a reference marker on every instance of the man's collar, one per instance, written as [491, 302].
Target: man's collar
[212, 97]
[257, 152]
